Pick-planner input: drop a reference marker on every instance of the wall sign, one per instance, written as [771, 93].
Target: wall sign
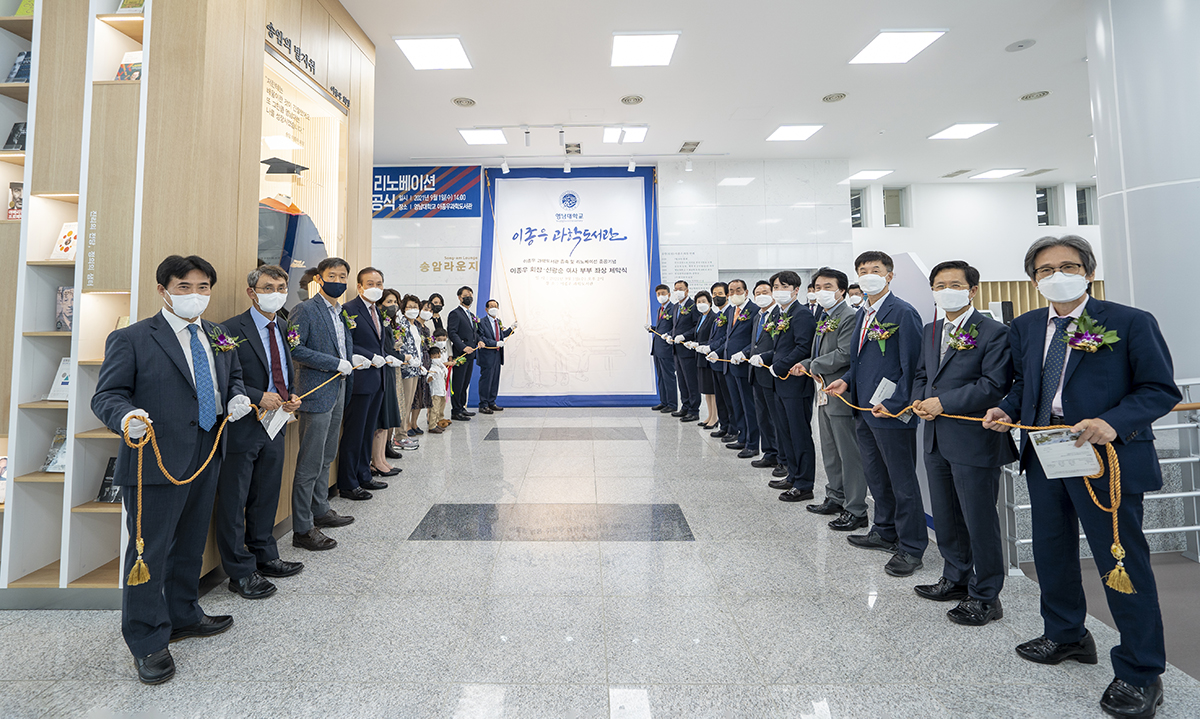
[301, 57]
[400, 192]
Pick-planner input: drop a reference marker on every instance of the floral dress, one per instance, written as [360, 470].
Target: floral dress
[422, 398]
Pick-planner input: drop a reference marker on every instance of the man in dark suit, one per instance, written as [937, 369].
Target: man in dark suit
[663, 353]
[793, 406]
[965, 369]
[738, 344]
[682, 331]
[248, 486]
[463, 329]
[1109, 389]
[180, 374]
[493, 333]
[762, 384]
[716, 338]
[888, 348]
[814, 307]
[366, 398]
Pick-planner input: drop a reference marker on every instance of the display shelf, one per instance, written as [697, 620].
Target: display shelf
[42, 477]
[128, 24]
[101, 433]
[44, 404]
[72, 197]
[98, 508]
[20, 26]
[44, 578]
[91, 362]
[16, 90]
[51, 263]
[106, 577]
[48, 333]
[13, 157]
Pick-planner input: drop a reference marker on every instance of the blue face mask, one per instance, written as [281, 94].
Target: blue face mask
[334, 289]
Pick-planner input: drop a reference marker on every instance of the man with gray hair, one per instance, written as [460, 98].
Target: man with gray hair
[1104, 370]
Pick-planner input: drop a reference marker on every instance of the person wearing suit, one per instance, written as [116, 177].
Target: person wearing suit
[324, 348]
[762, 347]
[683, 330]
[361, 415]
[180, 374]
[965, 369]
[705, 322]
[663, 353]
[854, 297]
[463, 329]
[720, 422]
[846, 486]
[793, 402]
[887, 346]
[814, 307]
[1109, 394]
[248, 485]
[738, 341]
[493, 333]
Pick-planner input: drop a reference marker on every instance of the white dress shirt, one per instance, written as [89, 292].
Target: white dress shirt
[1053, 336]
[870, 308]
[180, 327]
[261, 321]
[339, 326]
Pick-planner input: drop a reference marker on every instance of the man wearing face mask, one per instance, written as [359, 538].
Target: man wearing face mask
[814, 308]
[887, 347]
[965, 369]
[791, 410]
[464, 340]
[170, 372]
[663, 353]
[682, 331]
[1109, 388]
[760, 355]
[248, 486]
[493, 333]
[854, 297]
[740, 318]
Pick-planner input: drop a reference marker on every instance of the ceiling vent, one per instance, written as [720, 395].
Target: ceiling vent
[1039, 172]
[632, 100]
[574, 148]
[956, 173]
[1035, 95]
[463, 102]
[689, 147]
[1020, 45]
[834, 97]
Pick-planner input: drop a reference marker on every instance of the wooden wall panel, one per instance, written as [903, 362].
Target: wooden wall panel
[341, 53]
[112, 168]
[1021, 293]
[314, 38]
[341, 16]
[285, 15]
[10, 240]
[361, 166]
[62, 61]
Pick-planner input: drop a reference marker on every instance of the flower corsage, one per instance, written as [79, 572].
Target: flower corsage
[349, 319]
[722, 320]
[686, 310]
[964, 340]
[880, 332]
[222, 342]
[829, 324]
[458, 361]
[742, 315]
[780, 326]
[293, 336]
[1090, 336]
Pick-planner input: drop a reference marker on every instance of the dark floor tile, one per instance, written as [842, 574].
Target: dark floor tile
[555, 522]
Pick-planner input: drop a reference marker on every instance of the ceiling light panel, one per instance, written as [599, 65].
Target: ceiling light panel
[869, 175]
[434, 53]
[635, 134]
[995, 174]
[895, 47]
[635, 50]
[612, 135]
[493, 136]
[736, 181]
[962, 130]
[793, 133]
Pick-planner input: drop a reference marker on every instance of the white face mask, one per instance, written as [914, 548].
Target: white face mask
[372, 294]
[782, 296]
[703, 307]
[812, 296]
[678, 296]
[188, 306]
[440, 344]
[825, 298]
[412, 314]
[737, 299]
[426, 315]
[855, 300]
[662, 299]
[872, 284]
[763, 301]
[272, 301]
[438, 361]
[952, 300]
[1063, 287]
[493, 312]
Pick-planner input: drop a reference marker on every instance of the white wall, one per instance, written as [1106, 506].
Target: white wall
[407, 250]
[990, 225]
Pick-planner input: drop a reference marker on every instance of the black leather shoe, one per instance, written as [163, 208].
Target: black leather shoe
[872, 540]
[796, 495]
[765, 462]
[252, 587]
[376, 473]
[667, 410]
[468, 412]
[779, 471]
[313, 540]
[1044, 651]
[206, 627]
[828, 506]
[497, 409]
[374, 484]
[359, 494]
[391, 452]
[155, 668]
[847, 522]
[972, 612]
[280, 568]
[944, 591]
[485, 410]
[690, 418]
[1122, 699]
[903, 564]
[747, 453]
[781, 484]
[723, 434]
[735, 445]
[679, 413]
[459, 417]
[332, 519]
[658, 407]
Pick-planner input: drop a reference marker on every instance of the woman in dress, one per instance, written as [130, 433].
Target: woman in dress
[704, 371]
[408, 349]
[436, 303]
[422, 398]
[389, 415]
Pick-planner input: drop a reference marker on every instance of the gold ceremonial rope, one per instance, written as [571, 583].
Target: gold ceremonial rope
[781, 379]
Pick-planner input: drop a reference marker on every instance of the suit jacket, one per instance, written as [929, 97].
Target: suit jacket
[255, 360]
[718, 336]
[739, 337]
[487, 333]
[705, 326]
[969, 383]
[1129, 386]
[764, 346]
[316, 356]
[686, 315]
[145, 368]
[792, 346]
[664, 323]
[830, 357]
[898, 362]
[462, 329]
[368, 342]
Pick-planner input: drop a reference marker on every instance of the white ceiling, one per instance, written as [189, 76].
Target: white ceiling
[739, 71]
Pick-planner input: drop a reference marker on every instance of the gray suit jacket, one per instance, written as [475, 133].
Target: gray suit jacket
[316, 356]
[831, 353]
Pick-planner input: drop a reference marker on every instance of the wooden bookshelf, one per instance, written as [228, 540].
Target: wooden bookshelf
[91, 362]
[72, 197]
[98, 508]
[49, 333]
[1, 507]
[130, 24]
[100, 433]
[20, 26]
[42, 477]
[13, 157]
[106, 577]
[50, 263]
[16, 90]
[43, 404]
[44, 578]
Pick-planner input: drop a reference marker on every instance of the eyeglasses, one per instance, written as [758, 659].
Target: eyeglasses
[1067, 268]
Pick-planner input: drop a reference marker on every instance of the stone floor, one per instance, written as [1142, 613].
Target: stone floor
[764, 612]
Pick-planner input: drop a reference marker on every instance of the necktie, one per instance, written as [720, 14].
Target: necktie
[375, 319]
[496, 329]
[276, 365]
[205, 394]
[1052, 370]
[866, 328]
[947, 328]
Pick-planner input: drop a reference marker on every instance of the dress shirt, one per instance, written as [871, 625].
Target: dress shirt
[870, 308]
[339, 326]
[1052, 336]
[261, 321]
[180, 327]
[949, 327]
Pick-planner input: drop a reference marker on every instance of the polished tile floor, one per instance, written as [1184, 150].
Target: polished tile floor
[763, 613]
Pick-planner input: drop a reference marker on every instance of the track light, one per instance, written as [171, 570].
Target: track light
[632, 165]
[525, 129]
[504, 167]
[567, 167]
[687, 167]
[562, 136]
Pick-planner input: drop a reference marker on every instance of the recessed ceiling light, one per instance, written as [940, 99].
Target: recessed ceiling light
[1029, 96]
[635, 50]
[635, 134]
[493, 136]
[612, 135]
[895, 47]
[995, 174]
[869, 175]
[793, 133]
[736, 181]
[434, 53]
[279, 142]
[962, 130]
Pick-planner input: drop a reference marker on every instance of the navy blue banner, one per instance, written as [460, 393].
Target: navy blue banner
[425, 192]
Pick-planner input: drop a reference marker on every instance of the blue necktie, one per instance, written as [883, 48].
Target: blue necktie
[205, 394]
[1052, 370]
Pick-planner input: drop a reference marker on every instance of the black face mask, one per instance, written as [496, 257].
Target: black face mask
[720, 301]
[467, 300]
[334, 289]
[437, 309]
[390, 311]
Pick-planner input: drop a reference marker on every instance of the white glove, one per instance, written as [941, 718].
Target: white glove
[393, 362]
[771, 369]
[738, 358]
[649, 327]
[238, 407]
[500, 343]
[711, 357]
[345, 367]
[137, 427]
[704, 348]
[378, 361]
[679, 338]
[414, 361]
[422, 371]
[513, 326]
[668, 339]
[756, 360]
[360, 362]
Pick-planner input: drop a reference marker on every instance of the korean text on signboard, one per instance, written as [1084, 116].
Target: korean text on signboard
[399, 192]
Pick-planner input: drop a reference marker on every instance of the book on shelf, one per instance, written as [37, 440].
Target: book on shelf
[131, 6]
[20, 68]
[62, 382]
[15, 199]
[16, 137]
[108, 492]
[25, 9]
[68, 237]
[64, 308]
[131, 66]
[56, 456]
